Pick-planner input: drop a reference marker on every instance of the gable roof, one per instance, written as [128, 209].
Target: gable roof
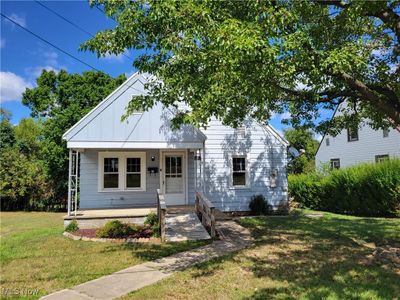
[102, 127]
[104, 104]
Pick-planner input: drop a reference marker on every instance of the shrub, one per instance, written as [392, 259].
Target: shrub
[115, 229]
[72, 226]
[257, 205]
[151, 219]
[363, 190]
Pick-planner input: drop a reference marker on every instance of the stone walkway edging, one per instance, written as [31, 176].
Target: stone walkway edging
[233, 238]
[103, 240]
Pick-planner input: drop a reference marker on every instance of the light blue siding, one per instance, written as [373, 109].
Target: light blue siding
[264, 153]
[90, 197]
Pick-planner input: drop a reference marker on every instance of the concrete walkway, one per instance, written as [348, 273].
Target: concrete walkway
[234, 237]
[184, 227]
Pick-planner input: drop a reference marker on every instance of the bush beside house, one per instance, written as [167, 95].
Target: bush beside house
[363, 190]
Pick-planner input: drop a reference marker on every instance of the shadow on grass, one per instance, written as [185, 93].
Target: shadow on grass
[148, 252]
[312, 258]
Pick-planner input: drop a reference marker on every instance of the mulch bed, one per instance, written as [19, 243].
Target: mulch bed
[91, 233]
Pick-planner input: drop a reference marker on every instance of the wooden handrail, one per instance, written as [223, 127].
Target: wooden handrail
[161, 213]
[206, 212]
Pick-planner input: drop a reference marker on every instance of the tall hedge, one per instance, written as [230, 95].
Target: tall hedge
[363, 190]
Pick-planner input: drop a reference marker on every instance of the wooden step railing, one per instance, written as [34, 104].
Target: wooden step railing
[206, 212]
[161, 213]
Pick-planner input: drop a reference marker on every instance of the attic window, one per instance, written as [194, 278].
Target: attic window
[327, 142]
[385, 133]
[240, 131]
[352, 135]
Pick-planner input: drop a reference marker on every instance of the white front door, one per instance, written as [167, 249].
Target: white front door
[173, 178]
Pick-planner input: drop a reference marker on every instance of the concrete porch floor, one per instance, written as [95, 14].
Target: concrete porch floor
[111, 213]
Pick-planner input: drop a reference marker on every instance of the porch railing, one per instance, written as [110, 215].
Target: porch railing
[161, 213]
[206, 212]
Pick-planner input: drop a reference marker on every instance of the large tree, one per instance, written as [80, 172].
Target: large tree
[62, 99]
[302, 139]
[233, 59]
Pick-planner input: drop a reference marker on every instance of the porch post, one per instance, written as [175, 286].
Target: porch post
[76, 180]
[69, 181]
[203, 162]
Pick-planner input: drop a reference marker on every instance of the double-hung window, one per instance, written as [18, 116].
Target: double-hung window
[122, 171]
[111, 173]
[133, 172]
[239, 171]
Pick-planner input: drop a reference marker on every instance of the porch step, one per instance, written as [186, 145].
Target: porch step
[184, 227]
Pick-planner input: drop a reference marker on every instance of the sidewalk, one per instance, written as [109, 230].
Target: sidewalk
[233, 237]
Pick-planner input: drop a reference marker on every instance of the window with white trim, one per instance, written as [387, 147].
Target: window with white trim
[335, 163]
[110, 174]
[381, 158]
[239, 171]
[122, 171]
[133, 172]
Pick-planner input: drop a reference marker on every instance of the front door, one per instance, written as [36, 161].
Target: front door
[173, 178]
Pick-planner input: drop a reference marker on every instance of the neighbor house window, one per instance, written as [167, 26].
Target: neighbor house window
[327, 142]
[239, 171]
[335, 163]
[380, 158]
[111, 174]
[385, 133]
[122, 171]
[352, 135]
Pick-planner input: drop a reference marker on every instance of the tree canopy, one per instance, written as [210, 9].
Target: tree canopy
[302, 139]
[233, 59]
[62, 99]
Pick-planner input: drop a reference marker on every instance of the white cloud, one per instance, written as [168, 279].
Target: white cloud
[116, 58]
[2, 43]
[34, 72]
[280, 117]
[318, 137]
[17, 19]
[12, 86]
[50, 63]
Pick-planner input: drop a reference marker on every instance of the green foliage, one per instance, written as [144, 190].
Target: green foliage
[151, 219]
[23, 184]
[72, 226]
[364, 190]
[61, 99]
[244, 58]
[115, 229]
[28, 136]
[302, 139]
[7, 135]
[257, 205]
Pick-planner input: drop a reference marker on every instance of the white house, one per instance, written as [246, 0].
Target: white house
[353, 147]
[122, 163]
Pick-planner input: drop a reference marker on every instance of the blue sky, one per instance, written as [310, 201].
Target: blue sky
[23, 56]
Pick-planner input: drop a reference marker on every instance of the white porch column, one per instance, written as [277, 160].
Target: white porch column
[69, 181]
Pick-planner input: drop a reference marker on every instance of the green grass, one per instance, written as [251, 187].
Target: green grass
[36, 256]
[295, 257]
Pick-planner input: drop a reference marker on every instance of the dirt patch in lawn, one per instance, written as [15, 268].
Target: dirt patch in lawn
[388, 256]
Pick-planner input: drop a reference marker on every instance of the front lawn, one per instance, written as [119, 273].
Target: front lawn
[295, 257]
[35, 256]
